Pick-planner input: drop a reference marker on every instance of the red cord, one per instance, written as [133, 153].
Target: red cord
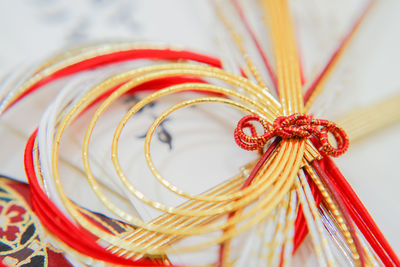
[51, 217]
[324, 71]
[300, 227]
[337, 52]
[60, 226]
[267, 154]
[257, 44]
[292, 126]
[359, 213]
[343, 208]
[48, 212]
[134, 54]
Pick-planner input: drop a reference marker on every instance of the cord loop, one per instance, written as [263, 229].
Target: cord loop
[292, 126]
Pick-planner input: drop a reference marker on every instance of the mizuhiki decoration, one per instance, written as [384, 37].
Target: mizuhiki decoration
[294, 187]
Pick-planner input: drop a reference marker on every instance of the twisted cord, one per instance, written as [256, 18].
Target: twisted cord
[292, 126]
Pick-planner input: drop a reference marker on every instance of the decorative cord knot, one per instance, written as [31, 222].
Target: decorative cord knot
[292, 126]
